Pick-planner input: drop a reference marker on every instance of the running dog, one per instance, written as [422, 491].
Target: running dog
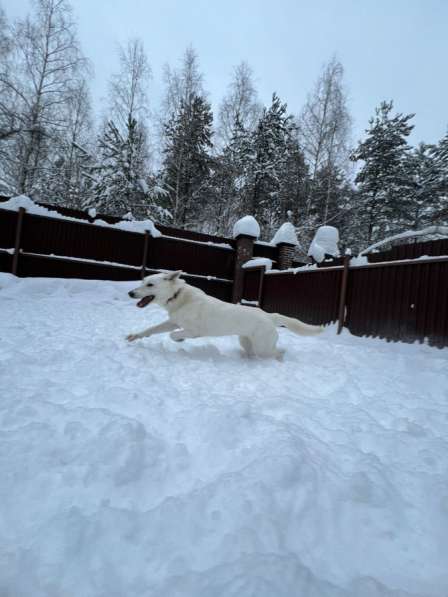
[195, 314]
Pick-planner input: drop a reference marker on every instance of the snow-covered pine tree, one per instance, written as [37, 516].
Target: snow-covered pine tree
[421, 191]
[383, 175]
[294, 183]
[121, 180]
[439, 180]
[269, 156]
[187, 160]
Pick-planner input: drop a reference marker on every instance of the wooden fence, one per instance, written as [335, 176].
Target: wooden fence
[395, 300]
[36, 245]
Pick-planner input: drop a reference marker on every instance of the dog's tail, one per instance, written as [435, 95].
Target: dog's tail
[295, 325]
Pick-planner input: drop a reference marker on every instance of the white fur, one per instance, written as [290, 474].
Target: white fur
[194, 314]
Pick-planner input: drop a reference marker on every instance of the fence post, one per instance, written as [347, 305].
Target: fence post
[244, 251]
[343, 294]
[15, 259]
[145, 253]
[285, 255]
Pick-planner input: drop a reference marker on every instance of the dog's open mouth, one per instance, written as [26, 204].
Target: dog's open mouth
[145, 301]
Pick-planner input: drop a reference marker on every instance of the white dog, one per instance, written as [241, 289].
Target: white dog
[195, 314]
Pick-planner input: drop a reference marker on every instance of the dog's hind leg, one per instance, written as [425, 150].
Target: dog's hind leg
[265, 344]
[246, 345]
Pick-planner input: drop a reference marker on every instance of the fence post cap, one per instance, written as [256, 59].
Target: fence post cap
[285, 235]
[246, 226]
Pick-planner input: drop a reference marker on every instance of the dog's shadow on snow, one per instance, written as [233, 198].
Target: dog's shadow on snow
[203, 352]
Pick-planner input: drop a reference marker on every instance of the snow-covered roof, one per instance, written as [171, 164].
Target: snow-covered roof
[438, 231]
[285, 234]
[247, 226]
[325, 242]
[15, 203]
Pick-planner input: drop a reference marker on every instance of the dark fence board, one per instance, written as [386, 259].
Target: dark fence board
[309, 296]
[42, 266]
[5, 262]
[221, 289]
[251, 284]
[45, 235]
[8, 223]
[262, 250]
[406, 302]
[191, 257]
[54, 267]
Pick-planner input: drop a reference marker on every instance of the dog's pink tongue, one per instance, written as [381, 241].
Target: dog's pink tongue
[144, 301]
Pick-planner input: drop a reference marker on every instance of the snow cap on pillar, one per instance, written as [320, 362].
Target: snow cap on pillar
[247, 226]
[286, 234]
[325, 242]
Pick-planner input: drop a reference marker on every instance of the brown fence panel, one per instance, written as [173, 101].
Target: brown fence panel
[8, 223]
[194, 258]
[262, 250]
[51, 267]
[251, 283]
[221, 289]
[5, 262]
[310, 296]
[45, 235]
[406, 302]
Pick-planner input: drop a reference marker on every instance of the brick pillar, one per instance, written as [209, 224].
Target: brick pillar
[285, 255]
[244, 250]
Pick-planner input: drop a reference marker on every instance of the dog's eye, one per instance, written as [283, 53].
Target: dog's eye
[149, 284]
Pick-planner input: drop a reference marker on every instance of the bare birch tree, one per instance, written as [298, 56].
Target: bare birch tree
[325, 128]
[239, 105]
[47, 63]
[182, 85]
[128, 95]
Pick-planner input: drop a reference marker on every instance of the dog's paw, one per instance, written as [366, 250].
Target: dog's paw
[132, 337]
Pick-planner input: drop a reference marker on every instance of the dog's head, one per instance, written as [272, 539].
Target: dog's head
[159, 288]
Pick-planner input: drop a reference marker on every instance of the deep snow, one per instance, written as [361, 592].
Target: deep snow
[161, 469]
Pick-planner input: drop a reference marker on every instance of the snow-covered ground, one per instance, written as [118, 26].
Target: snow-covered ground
[183, 470]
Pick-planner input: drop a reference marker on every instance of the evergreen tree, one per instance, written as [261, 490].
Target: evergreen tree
[187, 160]
[421, 190]
[439, 180]
[121, 183]
[268, 159]
[383, 175]
[294, 183]
[439, 154]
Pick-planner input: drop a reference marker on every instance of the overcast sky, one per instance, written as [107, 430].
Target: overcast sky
[391, 49]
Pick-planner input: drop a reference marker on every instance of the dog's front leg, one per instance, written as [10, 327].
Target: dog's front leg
[180, 335]
[166, 326]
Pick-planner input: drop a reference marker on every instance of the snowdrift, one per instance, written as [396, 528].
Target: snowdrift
[184, 470]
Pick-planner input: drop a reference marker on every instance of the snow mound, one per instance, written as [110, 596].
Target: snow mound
[258, 261]
[325, 242]
[15, 203]
[285, 234]
[247, 226]
[185, 470]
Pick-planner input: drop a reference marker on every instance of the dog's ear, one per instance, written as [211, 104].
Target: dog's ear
[173, 276]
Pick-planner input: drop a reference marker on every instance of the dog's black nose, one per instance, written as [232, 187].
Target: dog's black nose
[131, 293]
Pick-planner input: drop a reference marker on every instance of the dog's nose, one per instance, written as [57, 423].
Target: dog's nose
[131, 293]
